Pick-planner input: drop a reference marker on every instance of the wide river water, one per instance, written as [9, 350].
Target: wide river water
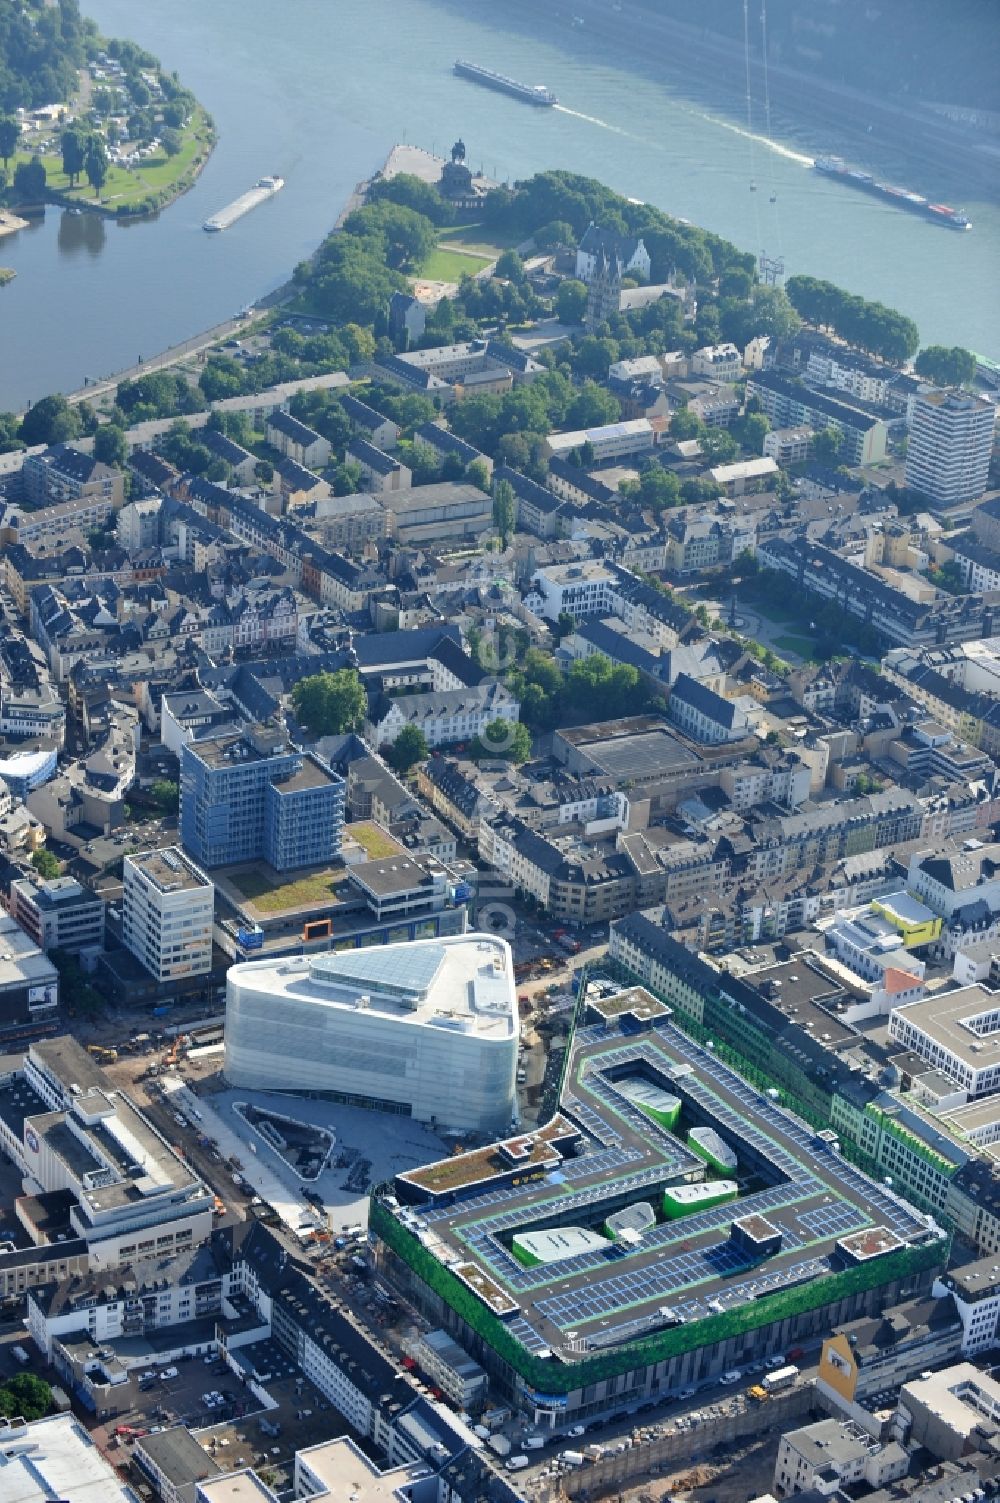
[318, 90]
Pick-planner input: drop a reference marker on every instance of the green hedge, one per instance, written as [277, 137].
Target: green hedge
[558, 1377]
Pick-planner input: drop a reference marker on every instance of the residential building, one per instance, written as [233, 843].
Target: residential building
[452, 1370]
[896, 615]
[974, 1288]
[59, 914]
[704, 715]
[30, 707]
[949, 877]
[242, 464]
[294, 440]
[874, 1355]
[789, 445]
[137, 526]
[188, 714]
[379, 472]
[951, 441]
[298, 487]
[427, 1029]
[168, 912]
[444, 443]
[61, 474]
[790, 404]
[718, 362]
[454, 795]
[253, 796]
[835, 1453]
[379, 430]
[979, 565]
[539, 510]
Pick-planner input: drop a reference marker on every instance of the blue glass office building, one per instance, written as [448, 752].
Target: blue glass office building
[252, 796]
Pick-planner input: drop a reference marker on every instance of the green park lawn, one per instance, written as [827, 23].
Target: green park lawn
[805, 647]
[444, 265]
[473, 237]
[155, 175]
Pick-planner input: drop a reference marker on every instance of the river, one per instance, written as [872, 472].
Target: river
[318, 90]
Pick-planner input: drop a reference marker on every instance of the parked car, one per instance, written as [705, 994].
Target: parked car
[732, 1376]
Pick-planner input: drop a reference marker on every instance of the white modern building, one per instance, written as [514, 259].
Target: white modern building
[168, 910]
[95, 1170]
[609, 441]
[951, 439]
[428, 1029]
[957, 1033]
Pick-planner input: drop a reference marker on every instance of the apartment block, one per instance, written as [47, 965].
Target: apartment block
[951, 440]
[168, 912]
[58, 915]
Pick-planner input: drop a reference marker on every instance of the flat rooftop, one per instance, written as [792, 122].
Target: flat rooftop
[348, 1473]
[169, 869]
[959, 1022]
[56, 1458]
[828, 1213]
[464, 983]
[642, 755]
[109, 1148]
[235, 1487]
[308, 774]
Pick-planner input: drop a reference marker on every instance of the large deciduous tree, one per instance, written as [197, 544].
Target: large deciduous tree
[330, 703]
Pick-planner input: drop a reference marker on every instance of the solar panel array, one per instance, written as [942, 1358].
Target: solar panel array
[690, 1264]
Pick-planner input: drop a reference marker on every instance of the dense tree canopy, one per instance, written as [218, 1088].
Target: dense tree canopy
[110, 445]
[398, 235]
[946, 367]
[26, 1396]
[41, 48]
[349, 279]
[550, 699]
[409, 748]
[330, 703]
[50, 421]
[412, 193]
[871, 326]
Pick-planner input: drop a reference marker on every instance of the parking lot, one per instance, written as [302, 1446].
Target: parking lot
[161, 1393]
